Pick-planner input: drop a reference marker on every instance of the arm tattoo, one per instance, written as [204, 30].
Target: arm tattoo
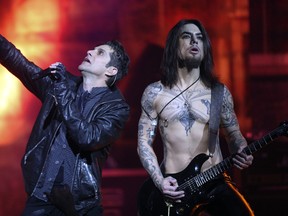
[146, 135]
[148, 160]
[149, 97]
[228, 115]
[230, 124]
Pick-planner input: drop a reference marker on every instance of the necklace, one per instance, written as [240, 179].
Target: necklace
[186, 103]
[165, 121]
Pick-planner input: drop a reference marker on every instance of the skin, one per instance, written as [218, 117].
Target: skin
[184, 128]
[94, 69]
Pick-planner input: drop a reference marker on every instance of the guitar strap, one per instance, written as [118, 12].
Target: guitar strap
[217, 93]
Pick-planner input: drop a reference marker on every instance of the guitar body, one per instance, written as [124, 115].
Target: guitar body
[151, 202]
[196, 185]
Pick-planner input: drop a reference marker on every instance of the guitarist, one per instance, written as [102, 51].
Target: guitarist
[179, 105]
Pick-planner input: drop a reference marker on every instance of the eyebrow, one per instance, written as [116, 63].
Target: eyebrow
[185, 32]
[99, 48]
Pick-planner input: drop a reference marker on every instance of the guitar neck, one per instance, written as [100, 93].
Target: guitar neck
[226, 164]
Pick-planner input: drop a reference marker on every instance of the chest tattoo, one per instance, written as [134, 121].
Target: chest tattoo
[187, 109]
[207, 104]
[187, 119]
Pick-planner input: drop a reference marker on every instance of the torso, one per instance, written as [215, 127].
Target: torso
[183, 125]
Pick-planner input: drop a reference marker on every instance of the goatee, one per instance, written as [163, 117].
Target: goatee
[189, 63]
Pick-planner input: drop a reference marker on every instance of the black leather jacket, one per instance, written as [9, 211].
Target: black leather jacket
[90, 138]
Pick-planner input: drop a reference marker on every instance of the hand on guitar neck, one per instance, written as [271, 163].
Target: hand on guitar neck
[241, 160]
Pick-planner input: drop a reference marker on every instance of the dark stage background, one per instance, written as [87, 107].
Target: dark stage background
[251, 57]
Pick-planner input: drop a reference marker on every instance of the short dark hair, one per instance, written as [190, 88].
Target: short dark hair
[170, 56]
[119, 59]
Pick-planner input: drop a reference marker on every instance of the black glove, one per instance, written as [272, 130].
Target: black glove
[60, 74]
[61, 86]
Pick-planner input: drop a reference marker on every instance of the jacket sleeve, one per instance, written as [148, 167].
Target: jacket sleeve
[16, 63]
[97, 132]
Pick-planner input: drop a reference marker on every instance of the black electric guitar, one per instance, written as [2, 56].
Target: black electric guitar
[152, 203]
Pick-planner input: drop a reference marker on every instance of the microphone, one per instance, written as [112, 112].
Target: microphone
[44, 73]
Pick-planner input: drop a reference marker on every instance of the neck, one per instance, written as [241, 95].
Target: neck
[88, 84]
[185, 78]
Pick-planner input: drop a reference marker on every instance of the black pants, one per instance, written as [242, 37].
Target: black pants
[225, 200]
[37, 207]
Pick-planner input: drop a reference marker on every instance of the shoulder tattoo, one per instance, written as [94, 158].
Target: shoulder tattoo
[228, 114]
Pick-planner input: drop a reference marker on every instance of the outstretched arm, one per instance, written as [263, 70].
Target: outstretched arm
[16, 63]
[234, 138]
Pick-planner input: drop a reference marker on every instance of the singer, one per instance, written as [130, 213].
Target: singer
[79, 120]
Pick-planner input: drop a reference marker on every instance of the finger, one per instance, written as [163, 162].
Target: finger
[171, 180]
[247, 157]
[168, 188]
[173, 191]
[250, 158]
[174, 195]
[54, 65]
[244, 159]
[240, 164]
[60, 67]
[53, 68]
[169, 183]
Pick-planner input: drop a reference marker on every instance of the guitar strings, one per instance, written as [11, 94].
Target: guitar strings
[225, 164]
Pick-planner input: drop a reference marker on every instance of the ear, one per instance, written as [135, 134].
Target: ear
[111, 71]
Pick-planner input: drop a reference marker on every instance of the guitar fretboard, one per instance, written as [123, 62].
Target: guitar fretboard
[199, 180]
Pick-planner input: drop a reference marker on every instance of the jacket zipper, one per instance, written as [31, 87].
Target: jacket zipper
[45, 158]
[29, 152]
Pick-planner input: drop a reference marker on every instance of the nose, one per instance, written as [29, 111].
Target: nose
[89, 52]
[193, 40]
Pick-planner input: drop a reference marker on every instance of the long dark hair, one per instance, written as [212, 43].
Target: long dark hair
[170, 56]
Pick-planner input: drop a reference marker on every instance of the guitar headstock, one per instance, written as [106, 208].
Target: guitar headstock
[284, 128]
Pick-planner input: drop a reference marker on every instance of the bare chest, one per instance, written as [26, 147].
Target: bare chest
[185, 108]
